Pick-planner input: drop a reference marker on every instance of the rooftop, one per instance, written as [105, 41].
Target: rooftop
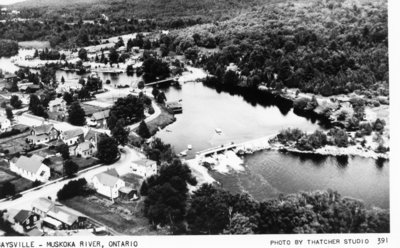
[145, 162]
[28, 164]
[101, 115]
[107, 179]
[43, 129]
[43, 204]
[22, 215]
[72, 133]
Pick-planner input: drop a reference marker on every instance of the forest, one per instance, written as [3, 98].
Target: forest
[322, 47]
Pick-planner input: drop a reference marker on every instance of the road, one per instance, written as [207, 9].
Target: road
[128, 155]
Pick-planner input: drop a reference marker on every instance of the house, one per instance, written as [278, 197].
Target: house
[100, 118]
[25, 220]
[85, 149]
[108, 184]
[72, 137]
[42, 134]
[30, 168]
[55, 216]
[57, 104]
[175, 107]
[128, 193]
[144, 167]
[42, 206]
[5, 124]
[67, 219]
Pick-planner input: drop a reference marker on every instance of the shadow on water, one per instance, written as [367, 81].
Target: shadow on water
[256, 97]
[380, 162]
[316, 159]
[342, 161]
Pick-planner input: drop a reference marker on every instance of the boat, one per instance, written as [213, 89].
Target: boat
[218, 130]
[189, 147]
[183, 153]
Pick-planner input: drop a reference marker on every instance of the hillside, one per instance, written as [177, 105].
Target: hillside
[153, 9]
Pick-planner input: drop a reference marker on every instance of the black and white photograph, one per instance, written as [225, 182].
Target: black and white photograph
[195, 117]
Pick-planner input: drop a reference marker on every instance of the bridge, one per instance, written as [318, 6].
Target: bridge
[247, 146]
[167, 80]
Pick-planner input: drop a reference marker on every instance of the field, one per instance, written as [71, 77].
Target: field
[125, 218]
[163, 120]
[58, 162]
[90, 109]
[14, 145]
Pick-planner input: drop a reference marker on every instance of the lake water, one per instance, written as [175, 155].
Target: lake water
[268, 173]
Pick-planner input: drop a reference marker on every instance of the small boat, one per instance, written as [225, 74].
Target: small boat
[183, 153]
[218, 130]
[189, 147]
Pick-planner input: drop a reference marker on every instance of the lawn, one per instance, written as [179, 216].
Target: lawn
[84, 163]
[20, 183]
[14, 145]
[126, 219]
[90, 109]
[164, 119]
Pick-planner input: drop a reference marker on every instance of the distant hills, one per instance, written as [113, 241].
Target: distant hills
[155, 9]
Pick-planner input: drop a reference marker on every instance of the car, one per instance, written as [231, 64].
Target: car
[16, 196]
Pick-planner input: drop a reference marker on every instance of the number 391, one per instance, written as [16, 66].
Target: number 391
[383, 241]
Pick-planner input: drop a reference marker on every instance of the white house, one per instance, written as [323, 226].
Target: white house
[108, 183]
[42, 134]
[72, 137]
[85, 149]
[5, 124]
[30, 168]
[57, 104]
[144, 167]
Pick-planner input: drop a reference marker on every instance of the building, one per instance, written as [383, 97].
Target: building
[64, 219]
[108, 183]
[30, 168]
[144, 167]
[25, 220]
[55, 216]
[42, 134]
[57, 104]
[72, 137]
[5, 124]
[42, 206]
[99, 119]
[85, 149]
[175, 107]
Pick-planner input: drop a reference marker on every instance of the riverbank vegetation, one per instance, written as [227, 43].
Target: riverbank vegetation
[8, 48]
[286, 46]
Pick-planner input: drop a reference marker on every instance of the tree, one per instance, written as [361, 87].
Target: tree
[62, 79]
[113, 56]
[64, 150]
[143, 130]
[7, 189]
[82, 54]
[14, 86]
[68, 98]
[167, 194]
[240, 224]
[107, 149]
[74, 188]
[141, 85]
[76, 115]
[15, 102]
[9, 114]
[70, 168]
[120, 133]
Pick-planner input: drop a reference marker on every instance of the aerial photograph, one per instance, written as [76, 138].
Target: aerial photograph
[188, 117]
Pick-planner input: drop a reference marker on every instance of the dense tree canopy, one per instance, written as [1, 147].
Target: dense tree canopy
[76, 115]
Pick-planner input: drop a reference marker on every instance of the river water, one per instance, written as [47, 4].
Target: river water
[267, 173]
